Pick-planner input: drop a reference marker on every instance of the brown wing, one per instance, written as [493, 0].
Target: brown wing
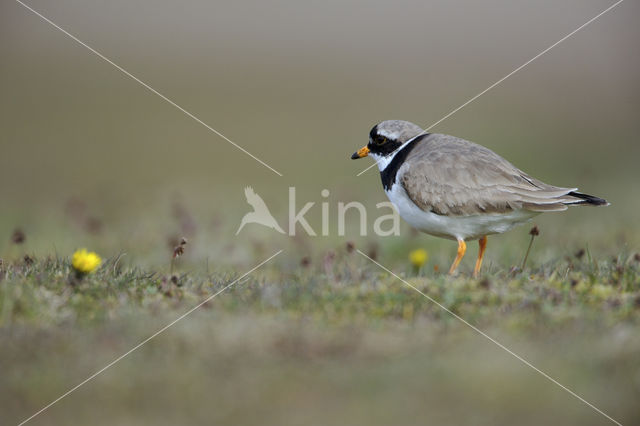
[452, 176]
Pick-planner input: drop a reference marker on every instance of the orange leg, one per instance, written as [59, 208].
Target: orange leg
[482, 242]
[462, 248]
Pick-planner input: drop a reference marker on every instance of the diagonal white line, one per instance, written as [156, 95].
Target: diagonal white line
[510, 74]
[151, 89]
[500, 345]
[375, 163]
[163, 329]
[523, 65]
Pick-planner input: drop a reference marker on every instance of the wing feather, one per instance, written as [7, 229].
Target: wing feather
[254, 200]
[452, 176]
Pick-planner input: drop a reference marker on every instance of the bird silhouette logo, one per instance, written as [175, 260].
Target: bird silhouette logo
[260, 214]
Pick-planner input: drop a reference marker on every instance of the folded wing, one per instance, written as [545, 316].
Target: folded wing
[461, 178]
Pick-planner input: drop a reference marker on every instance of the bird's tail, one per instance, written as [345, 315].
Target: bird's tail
[587, 199]
[242, 224]
[277, 227]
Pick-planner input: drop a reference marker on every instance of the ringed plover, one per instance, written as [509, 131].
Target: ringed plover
[452, 188]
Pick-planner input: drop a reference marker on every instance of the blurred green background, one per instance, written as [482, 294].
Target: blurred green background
[88, 157]
[299, 85]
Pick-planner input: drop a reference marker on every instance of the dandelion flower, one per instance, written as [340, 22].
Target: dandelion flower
[418, 258]
[85, 262]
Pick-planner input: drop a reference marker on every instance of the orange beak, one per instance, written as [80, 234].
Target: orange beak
[362, 152]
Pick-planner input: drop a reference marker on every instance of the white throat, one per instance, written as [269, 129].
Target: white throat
[382, 162]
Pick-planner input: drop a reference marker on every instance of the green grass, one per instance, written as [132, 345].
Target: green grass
[336, 341]
[340, 290]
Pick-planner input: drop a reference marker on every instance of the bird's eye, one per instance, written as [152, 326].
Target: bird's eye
[379, 140]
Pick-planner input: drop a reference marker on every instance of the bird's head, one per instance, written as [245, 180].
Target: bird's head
[386, 137]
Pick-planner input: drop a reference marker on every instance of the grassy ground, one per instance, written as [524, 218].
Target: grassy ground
[324, 339]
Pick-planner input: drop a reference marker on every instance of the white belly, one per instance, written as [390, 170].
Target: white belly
[454, 227]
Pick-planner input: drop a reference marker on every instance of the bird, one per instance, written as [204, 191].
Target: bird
[260, 213]
[452, 188]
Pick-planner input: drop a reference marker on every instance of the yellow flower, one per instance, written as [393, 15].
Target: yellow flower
[418, 257]
[84, 261]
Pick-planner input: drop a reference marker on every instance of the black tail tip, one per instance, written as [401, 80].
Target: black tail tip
[589, 199]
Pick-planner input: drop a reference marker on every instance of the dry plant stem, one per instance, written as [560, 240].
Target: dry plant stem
[526, 255]
[177, 252]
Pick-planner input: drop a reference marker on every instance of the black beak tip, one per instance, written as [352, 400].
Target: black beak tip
[355, 156]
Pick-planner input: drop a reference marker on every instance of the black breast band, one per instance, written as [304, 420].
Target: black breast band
[388, 175]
